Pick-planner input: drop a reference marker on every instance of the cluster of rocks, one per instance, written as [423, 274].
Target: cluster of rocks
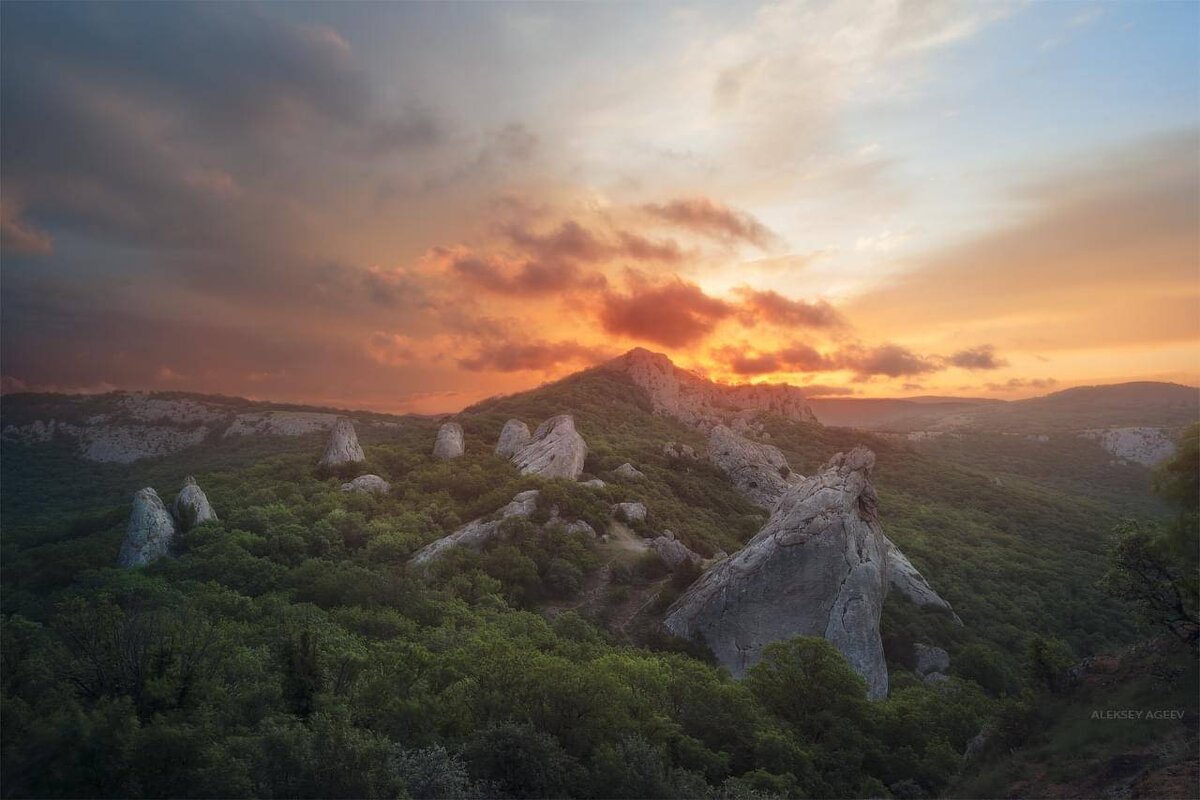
[1143, 445]
[821, 566]
[932, 663]
[152, 526]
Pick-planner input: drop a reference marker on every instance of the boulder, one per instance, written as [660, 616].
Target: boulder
[758, 471]
[630, 512]
[629, 472]
[371, 484]
[191, 506]
[594, 483]
[475, 534]
[555, 451]
[449, 442]
[513, 436]
[343, 447]
[580, 528]
[677, 450]
[673, 552]
[930, 660]
[150, 531]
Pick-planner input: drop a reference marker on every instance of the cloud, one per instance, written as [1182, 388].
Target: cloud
[510, 356]
[674, 313]
[1017, 384]
[573, 240]
[888, 360]
[824, 390]
[19, 236]
[973, 358]
[528, 278]
[774, 308]
[709, 218]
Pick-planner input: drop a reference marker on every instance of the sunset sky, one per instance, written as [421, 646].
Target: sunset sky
[410, 207]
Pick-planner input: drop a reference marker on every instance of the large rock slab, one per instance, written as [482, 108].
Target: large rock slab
[150, 532]
[475, 534]
[449, 442]
[370, 484]
[759, 471]
[343, 446]
[191, 506]
[555, 451]
[906, 579]
[513, 436]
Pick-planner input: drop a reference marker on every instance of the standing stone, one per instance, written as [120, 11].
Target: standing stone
[449, 442]
[191, 506]
[513, 436]
[555, 451]
[150, 532]
[343, 447]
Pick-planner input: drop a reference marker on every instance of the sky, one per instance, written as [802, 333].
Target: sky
[412, 207]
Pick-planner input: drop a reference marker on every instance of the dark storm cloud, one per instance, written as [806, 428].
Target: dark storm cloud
[675, 313]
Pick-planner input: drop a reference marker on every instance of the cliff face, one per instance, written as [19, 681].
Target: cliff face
[697, 401]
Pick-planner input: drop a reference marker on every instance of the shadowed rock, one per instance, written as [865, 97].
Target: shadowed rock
[930, 660]
[513, 436]
[371, 484]
[449, 442]
[594, 483]
[343, 447]
[150, 532]
[630, 512]
[629, 472]
[758, 471]
[673, 552]
[191, 506]
[475, 534]
[555, 451]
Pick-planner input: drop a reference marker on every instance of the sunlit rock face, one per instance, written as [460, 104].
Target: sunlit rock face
[513, 436]
[759, 471]
[343, 447]
[449, 442]
[819, 567]
[555, 451]
[191, 506]
[150, 532]
[698, 401]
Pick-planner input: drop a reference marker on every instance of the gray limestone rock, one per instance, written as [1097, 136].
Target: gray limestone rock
[906, 579]
[371, 484]
[580, 528]
[191, 506]
[759, 471]
[630, 512]
[343, 447]
[673, 552]
[513, 436]
[594, 483]
[555, 451]
[476, 533]
[150, 532]
[677, 450]
[449, 442]
[930, 659]
[629, 472]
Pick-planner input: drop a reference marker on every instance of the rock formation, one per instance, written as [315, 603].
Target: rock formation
[673, 552]
[932, 662]
[905, 578]
[513, 436]
[477, 533]
[371, 484]
[594, 483]
[449, 442]
[677, 450]
[579, 528]
[759, 471]
[555, 451]
[343, 447]
[1144, 445]
[191, 506]
[630, 512]
[819, 567]
[150, 532]
[697, 401]
[629, 472]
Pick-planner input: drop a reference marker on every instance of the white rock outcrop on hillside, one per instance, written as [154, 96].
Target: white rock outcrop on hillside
[191, 506]
[476, 533]
[281, 423]
[343, 446]
[1146, 446]
[629, 472]
[555, 451]
[370, 484]
[150, 531]
[513, 436]
[449, 442]
[698, 401]
[759, 471]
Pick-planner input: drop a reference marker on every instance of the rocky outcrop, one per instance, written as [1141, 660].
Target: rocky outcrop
[674, 553]
[343, 447]
[931, 661]
[449, 442]
[679, 451]
[594, 483]
[150, 531]
[555, 451]
[819, 567]
[1146, 446]
[759, 471]
[477, 533]
[281, 423]
[629, 472]
[906, 579]
[370, 484]
[513, 436]
[579, 528]
[191, 506]
[630, 512]
[698, 401]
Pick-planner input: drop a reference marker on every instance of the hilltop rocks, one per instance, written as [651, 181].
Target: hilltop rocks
[477, 533]
[697, 401]
[673, 552]
[629, 472]
[449, 442]
[150, 532]
[191, 506]
[815, 569]
[759, 471]
[513, 436]
[343, 447]
[371, 484]
[555, 451]
[630, 512]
